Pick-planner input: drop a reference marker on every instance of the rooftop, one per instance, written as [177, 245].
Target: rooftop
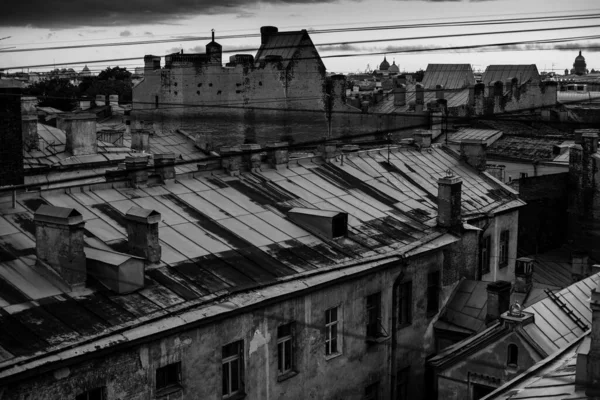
[221, 235]
[502, 73]
[450, 76]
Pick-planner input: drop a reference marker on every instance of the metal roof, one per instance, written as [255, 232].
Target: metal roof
[502, 73]
[489, 136]
[223, 234]
[284, 44]
[450, 76]
[455, 98]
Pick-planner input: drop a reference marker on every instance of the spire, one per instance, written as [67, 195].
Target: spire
[213, 36]
[580, 52]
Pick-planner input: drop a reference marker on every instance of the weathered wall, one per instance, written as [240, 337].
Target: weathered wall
[11, 140]
[130, 374]
[486, 367]
[513, 169]
[543, 220]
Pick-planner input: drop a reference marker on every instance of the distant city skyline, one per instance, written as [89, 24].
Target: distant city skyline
[83, 23]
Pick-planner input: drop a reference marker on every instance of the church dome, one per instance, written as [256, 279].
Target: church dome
[579, 64]
[394, 67]
[384, 65]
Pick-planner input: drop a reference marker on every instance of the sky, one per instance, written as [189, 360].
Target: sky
[34, 28]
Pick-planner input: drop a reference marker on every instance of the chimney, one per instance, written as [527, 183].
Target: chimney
[498, 300]
[399, 92]
[523, 275]
[277, 154]
[479, 98]
[589, 145]
[473, 151]
[590, 362]
[422, 139]
[419, 98]
[545, 114]
[151, 63]
[265, 31]
[140, 140]
[137, 170]
[29, 121]
[449, 201]
[84, 103]
[498, 96]
[164, 166]
[114, 100]
[252, 155]
[328, 151]
[100, 100]
[142, 233]
[579, 265]
[59, 244]
[127, 118]
[80, 130]
[231, 159]
[437, 119]
[401, 79]
[439, 91]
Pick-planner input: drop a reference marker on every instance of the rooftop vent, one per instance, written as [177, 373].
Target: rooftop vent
[323, 223]
[59, 244]
[121, 273]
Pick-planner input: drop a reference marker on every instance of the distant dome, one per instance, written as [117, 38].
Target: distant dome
[579, 66]
[394, 67]
[384, 65]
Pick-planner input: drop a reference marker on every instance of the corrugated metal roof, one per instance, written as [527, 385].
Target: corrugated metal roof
[450, 76]
[487, 135]
[224, 234]
[455, 98]
[502, 73]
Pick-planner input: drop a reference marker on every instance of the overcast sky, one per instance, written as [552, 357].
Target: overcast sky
[52, 23]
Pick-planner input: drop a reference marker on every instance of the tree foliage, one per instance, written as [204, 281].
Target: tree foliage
[55, 92]
[115, 73]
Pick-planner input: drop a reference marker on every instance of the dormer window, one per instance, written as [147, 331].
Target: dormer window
[512, 359]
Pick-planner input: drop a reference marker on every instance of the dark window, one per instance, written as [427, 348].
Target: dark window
[285, 349]
[232, 368]
[503, 249]
[197, 92]
[486, 247]
[199, 84]
[210, 84]
[168, 376]
[480, 391]
[219, 92]
[155, 101]
[175, 83]
[402, 383]
[374, 315]
[94, 394]
[405, 303]
[372, 391]
[259, 83]
[176, 93]
[331, 331]
[433, 292]
[512, 359]
[523, 175]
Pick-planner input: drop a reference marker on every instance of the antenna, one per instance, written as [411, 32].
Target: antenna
[213, 34]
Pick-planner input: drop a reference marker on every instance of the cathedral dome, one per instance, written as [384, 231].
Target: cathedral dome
[579, 65]
[394, 67]
[384, 65]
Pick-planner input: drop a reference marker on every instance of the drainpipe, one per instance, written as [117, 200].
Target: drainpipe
[481, 233]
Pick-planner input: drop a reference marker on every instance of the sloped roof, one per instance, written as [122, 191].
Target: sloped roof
[455, 98]
[451, 76]
[223, 234]
[489, 136]
[502, 73]
[284, 44]
[524, 148]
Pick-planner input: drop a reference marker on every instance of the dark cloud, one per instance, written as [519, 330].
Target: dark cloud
[148, 34]
[125, 33]
[66, 14]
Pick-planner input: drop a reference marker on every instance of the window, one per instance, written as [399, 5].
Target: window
[94, 394]
[285, 349]
[332, 345]
[503, 250]
[512, 359]
[233, 368]
[372, 391]
[524, 175]
[405, 304]
[168, 377]
[433, 293]
[402, 383]
[486, 247]
[374, 315]
[155, 101]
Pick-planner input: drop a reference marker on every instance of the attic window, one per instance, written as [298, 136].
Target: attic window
[512, 359]
[340, 225]
[199, 84]
[324, 223]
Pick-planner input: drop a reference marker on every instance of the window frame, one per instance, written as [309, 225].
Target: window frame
[405, 304]
[373, 311]
[332, 325]
[238, 356]
[485, 255]
[86, 395]
[503, 248]
[433, 291]
[512, 354]
[286, 345]
[168, 387]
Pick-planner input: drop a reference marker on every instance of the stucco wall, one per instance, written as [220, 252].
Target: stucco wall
[130, 374]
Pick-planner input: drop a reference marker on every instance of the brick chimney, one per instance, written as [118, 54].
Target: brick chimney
[164, 166]
[142, 233]
[251, 156]
[277, 154]
[328, 150]
[579, 265]
[140, 140]
[137, 170]
[439, 91]
[114, 100]
[80, 130]
[84, 103]
[473, 151]
[151, 63]
[589, 144]
[231, 159]
[479, 98]
[419, 97]
[422, 139]
[498, 300]
[265, 31]
[100, 100]
[127, 118]
[29, 121]
[523, 275]
[399, 92]
[59, 244]
[449, 201]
